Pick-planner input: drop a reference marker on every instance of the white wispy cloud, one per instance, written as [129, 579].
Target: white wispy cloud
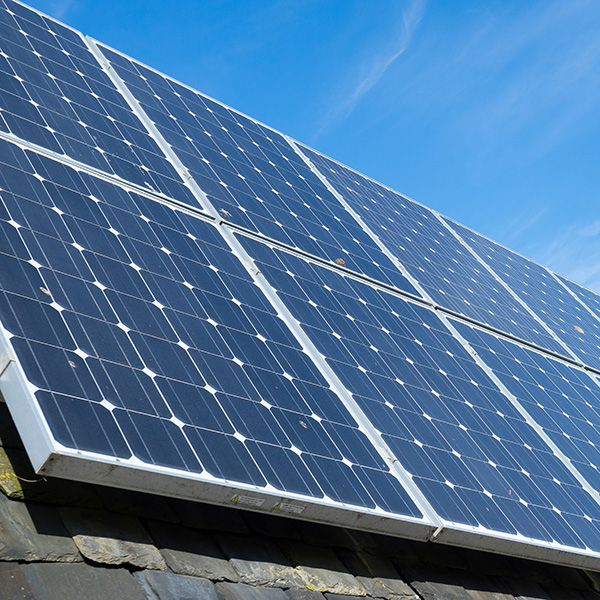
[518, 90]
[521, 224]
[60, 8]
[372, 67]
[574, 251]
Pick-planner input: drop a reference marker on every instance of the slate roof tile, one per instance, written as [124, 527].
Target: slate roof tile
[240, 591]
[258, 561]
[79, 581]
[164, 585]
[111, 538]
[34, 532]
[191, 552]
[321, 570]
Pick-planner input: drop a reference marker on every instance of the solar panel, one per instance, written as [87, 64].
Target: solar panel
[191, 303]
[567, 316]
[251, 174]
[56, 95]
[449, 273]
[471, 453]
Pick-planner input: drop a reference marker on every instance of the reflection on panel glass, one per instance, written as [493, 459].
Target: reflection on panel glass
[563, 399]
[550, 301]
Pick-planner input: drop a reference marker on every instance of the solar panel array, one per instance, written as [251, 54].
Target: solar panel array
[194, 304]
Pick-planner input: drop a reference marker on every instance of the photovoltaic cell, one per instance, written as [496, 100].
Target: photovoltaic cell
[470, 452]
[145, 338]
[562, 399]
[56, 95]
[448, 272]
[252, 175]
[544, 294]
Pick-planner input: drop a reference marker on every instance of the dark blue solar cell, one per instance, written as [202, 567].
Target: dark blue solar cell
[385, 490]
[195, 405]
[128, 388]
[307, 433]
[339, 481]
[224, 456]
[22, 278]
[83, 425]
[56, 369]
[157, 441]
[253, 420]
[446, 503]
[35, 321]
[355, 445]
[284, 469]
[10, 241]
[101, 339]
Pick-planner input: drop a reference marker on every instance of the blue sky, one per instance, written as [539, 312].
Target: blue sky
[487, 111]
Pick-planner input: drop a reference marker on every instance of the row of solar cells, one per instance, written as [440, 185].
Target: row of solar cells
[58, 96]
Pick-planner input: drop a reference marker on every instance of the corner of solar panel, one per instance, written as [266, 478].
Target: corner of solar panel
[196, 305]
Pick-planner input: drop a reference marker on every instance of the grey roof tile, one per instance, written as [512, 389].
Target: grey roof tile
[164, 585]
[111, 538]
[435, 583]
[481, 587]
[304, 594]
[523, 589]
[258, 561]
[240, 591]
[377, 574]
[321, 570]
[14, 583]
[191, 552]
[79, 581]
[33, 532]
